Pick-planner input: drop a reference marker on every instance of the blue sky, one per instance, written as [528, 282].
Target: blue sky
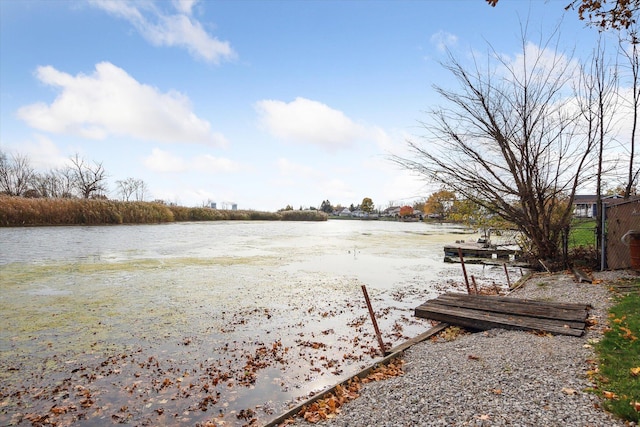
[262, 103]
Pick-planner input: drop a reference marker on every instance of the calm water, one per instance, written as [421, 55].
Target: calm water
[183, 323]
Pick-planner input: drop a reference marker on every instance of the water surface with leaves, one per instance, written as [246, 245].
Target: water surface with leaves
[218, 323]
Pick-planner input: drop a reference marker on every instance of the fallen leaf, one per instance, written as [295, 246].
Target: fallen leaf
[635, 371]
[635, 405]
[568, 391]
[609, 395]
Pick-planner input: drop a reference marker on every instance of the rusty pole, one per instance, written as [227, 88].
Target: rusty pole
[464, 270]
[373, 319]
[507, 274]
[475, 286]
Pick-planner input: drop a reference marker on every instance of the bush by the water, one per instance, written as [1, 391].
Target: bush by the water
[20, 211]
[307, 215]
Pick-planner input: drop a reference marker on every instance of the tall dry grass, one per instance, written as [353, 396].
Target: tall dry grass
[20, 211]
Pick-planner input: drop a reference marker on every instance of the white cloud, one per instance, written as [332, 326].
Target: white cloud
[111, 102]
[287, 167]
[309, 122]
[337, 191]
[161, 28]
[443, 40]
[163, 161]
[211, 164]
[184, 6]
[42, 153]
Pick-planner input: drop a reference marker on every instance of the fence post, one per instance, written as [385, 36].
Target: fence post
[603, 234]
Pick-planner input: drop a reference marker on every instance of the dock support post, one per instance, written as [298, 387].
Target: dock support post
[475, 287]
[464, 271]
[373, 319]
[506, 272]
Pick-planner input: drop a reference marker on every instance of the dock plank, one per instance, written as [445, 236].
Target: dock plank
[483, 312]
[574, 312]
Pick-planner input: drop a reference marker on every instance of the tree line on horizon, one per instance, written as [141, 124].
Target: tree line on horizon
[78, 178]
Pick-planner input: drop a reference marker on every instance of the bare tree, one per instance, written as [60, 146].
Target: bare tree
[55, 183]
[633, 56]
[597, 97]
[508, 140]
[141, 190]
[126, 188]
[132, 187]
[16, 174]
[89, 180]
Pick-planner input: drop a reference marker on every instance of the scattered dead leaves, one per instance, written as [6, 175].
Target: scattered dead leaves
[329, 406]
[449, 334]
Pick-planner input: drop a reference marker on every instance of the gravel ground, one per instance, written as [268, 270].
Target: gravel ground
[498, 377]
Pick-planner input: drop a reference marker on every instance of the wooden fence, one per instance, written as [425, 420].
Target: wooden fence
[621, 218]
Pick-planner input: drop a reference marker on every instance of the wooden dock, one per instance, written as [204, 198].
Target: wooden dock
[480, 253]
[482, 312]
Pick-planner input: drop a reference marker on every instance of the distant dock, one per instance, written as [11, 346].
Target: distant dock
[480, 252]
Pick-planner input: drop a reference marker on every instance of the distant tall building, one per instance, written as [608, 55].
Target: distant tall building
[213, 205]
[234, 206]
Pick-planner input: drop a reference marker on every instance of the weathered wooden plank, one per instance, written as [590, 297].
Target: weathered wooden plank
[520, 307]
[565, 305]
[482, 320]
[436, 305]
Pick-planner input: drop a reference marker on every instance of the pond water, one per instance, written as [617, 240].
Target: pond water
[184, 323]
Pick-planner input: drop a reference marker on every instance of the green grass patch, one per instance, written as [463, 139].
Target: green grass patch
[619, 359]
[582, 233]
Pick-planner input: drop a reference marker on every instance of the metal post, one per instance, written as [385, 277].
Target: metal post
[603, 250]
[464, 271]
[475, 287]
[373, 319]
[507, 273]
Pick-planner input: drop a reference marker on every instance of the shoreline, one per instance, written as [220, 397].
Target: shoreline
[496, 377]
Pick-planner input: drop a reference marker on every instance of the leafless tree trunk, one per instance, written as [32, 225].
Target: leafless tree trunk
[132, 187]
[597, 96]
[16, 174]
[141, 191]
[508, 141]
[89, 180]
[633, 56]
[126, 188]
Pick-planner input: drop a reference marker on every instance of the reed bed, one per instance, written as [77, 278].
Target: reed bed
[20, 212]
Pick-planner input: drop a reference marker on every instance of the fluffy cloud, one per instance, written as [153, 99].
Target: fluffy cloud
[162, 28]
[111, 102]
[289, 168]
[443, 40]
[42, 153]
[163, 161]
[307, 121]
